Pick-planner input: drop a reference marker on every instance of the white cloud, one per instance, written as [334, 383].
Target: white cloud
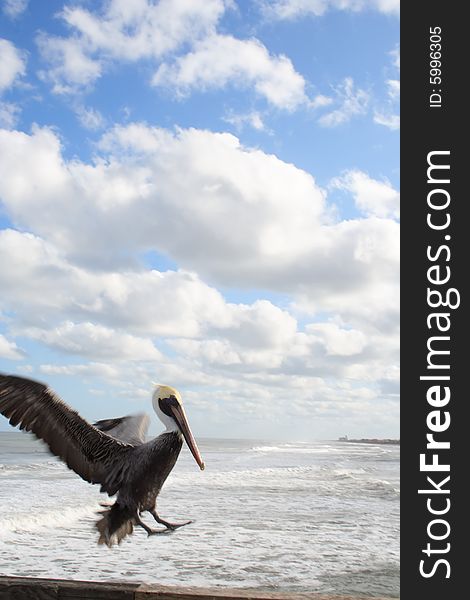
[178, 38]
[220, 60]
[323, 349]
[255, 402]
[122, 31]
[247, 359]
[227, 219]
[70, 68]
[90, 118]
[338, 341]
[14, 8]
[94, 341]
[386, 114]
[390, 121]
[294, 9]
[393, 86]
[92, 369]
[9, 113]
[372, 197]
[253, 119]
[352, 102]
[9, 349]
[12, 64]
[85, 313]
[144, 29]
[39, 284]
[320, 101]
[76, 285]
[214, 344]
[42, 290]
[73, 274]
[328, 370]
[254, 335]
[395, 54]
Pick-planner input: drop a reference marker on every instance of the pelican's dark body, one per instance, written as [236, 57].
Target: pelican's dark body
[150, 465]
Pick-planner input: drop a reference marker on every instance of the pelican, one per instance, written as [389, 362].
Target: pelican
[112, 452]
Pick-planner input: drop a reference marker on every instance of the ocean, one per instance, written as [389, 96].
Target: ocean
[318, 516]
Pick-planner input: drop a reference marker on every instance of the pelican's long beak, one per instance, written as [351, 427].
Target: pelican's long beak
[181, 419]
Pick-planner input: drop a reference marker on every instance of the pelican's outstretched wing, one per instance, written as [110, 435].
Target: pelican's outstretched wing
[131, 429]
[91, 453]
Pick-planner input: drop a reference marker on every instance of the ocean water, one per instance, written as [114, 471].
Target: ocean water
[320, 516]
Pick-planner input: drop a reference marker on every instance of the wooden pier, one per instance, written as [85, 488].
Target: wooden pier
[30, 588]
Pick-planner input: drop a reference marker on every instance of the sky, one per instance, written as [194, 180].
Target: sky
[204, 194]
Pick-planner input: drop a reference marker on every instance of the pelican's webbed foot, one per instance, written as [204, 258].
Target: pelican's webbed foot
[148, 529]
[169, 526]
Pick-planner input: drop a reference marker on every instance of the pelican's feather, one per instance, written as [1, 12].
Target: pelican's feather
[93, 454]
[131, 429]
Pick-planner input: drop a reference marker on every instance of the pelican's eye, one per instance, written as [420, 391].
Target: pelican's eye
[165, 405]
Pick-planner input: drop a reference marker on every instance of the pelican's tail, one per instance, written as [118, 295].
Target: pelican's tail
[116, 522]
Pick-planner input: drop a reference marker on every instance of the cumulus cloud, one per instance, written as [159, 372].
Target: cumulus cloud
[75, 277]
[94, 341]
[393, 86]
[256, 402]
[372, 197]
[320, 101]
[14, 8]
[91, 369]
[178, 38]
[324, 350]
[295, 9]
[254, 352]
[9, 349]
[227, 219]
[256, 335]
[70, 68]
[12, 64]
[395, 54]
[336, 340]
[122, 31]
[9, 114]
[39, 283]
[107, 317]
[143, 29]
[219, 60]
[351, 102]
[390, 121]
[72, 279]
[90, 118]
[252, 119]
[386, 114]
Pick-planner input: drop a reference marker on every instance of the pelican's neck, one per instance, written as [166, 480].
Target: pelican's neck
[170, 424]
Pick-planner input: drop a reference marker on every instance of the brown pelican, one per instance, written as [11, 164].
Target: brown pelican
[113, 452]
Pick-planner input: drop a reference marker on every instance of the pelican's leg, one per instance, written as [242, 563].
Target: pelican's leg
[148, 529]
[169, 526]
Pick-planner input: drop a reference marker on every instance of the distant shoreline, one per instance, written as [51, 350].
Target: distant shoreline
[370, 441]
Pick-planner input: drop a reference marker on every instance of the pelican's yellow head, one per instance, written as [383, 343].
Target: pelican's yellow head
[166, 391]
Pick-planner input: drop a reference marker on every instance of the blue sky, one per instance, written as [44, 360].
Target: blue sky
[204, 194]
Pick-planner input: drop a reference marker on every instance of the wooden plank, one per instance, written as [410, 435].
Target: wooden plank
[157, 592]
[93, 590]
[38, 589]
[26, 588]
[12, 588]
